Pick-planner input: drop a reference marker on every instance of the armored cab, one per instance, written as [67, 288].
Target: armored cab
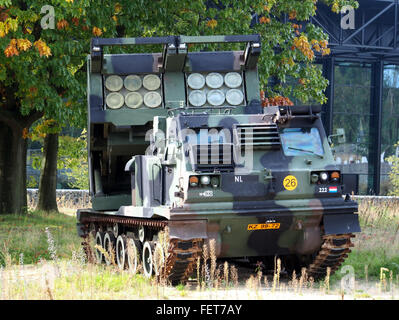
[181, 154]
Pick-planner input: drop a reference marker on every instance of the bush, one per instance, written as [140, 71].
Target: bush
[72, 156]
[394, 174]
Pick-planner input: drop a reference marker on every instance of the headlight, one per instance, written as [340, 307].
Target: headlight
[234, 97]
[215, 182]
[152, 99]
[197, 98]
[132, 82]
[214, 80]
[215, 97]
[151, 82]
[324, 176]
[193, 181]
[196, 81]
[205, 180]
[314, 177]
[133, 100]
[335, 176]
[114, 100]
[114, 83]
[233, 79]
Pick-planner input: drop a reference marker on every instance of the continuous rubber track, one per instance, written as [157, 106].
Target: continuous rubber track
[182, 257]
[334, 250]
[181, 254]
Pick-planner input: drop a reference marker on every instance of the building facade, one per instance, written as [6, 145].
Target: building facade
[362, 112]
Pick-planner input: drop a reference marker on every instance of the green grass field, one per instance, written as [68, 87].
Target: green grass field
[25, 234]
[30, 272]
[377, 246]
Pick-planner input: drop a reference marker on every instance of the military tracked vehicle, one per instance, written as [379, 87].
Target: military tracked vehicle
[181, 149]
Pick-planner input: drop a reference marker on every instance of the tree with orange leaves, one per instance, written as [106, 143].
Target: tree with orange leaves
[41, 71]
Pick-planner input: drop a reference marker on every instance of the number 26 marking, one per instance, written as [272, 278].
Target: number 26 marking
[290, 183]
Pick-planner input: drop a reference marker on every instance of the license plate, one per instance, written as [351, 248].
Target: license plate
[263, 226]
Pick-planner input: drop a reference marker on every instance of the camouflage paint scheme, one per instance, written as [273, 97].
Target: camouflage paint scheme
[125, 180]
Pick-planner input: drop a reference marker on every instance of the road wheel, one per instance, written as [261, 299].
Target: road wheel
[99, 242]
[134, 253]
[109, 247]
[158, 259]
[148, 262]
[121, 252]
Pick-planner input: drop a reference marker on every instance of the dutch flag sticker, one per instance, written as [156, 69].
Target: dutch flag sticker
[332, 189]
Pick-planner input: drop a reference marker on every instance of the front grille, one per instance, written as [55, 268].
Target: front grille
[259, 136]
[214, 157]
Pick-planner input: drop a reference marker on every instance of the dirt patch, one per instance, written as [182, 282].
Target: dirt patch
[68, 211]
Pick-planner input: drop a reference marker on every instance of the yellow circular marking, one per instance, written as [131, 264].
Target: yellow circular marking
[290, 183]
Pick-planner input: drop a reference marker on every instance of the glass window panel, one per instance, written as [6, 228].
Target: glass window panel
[364, 184]
[390, 124]
[352, 155]
[340, 93]
[351, 114]
[391, 76]
[352, 74]
[300, 141]
[352, 88]
[351, 100]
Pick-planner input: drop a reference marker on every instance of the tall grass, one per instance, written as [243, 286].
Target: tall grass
[41, 258]
[377, 246]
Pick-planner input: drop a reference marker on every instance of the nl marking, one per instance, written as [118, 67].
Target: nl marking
[238, 179]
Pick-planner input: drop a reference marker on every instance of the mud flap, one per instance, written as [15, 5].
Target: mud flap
[341, 223]
[187, 229]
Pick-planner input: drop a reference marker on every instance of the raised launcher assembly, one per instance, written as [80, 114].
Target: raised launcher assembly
[181, 152]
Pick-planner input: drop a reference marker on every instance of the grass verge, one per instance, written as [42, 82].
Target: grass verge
[376, 248]
[23, 238]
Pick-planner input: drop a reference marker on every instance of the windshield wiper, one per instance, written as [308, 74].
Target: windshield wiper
[310, 151]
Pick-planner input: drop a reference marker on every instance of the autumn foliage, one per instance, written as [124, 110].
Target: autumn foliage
[62, 24]
[97, 31]
[275, 101]
[212, 23]
[43, 48]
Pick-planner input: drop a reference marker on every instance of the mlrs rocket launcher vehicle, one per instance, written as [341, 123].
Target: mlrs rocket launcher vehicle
[182, 155]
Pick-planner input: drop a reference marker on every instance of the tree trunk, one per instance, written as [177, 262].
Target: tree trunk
[12, 170]
[48, 177]
[3, 147]
[13, 146]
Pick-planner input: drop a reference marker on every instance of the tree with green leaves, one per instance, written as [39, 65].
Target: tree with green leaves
[42, 69]
[71, 153]
[41, 75]
[73, 156]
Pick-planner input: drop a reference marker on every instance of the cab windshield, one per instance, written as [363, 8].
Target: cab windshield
[301, 141]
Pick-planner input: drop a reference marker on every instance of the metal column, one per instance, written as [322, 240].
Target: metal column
[375, 126]
[327, 115]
